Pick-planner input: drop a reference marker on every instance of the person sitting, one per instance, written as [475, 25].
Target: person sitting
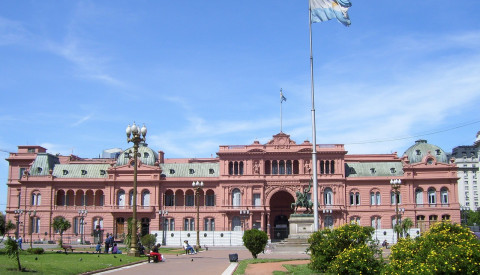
[141, 248]
[115, 249]
[98, 248]
[157, 257]
[188, 248]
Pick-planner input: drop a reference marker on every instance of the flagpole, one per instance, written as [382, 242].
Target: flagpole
[314, 135]
[281, 119]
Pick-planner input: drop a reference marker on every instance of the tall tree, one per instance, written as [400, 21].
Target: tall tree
[61, 225]
[11, 249]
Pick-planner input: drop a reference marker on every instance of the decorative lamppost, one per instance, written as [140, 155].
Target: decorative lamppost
[82, 213]
[163, 213]
[395, 183]
[244, 214]
[18, 213]
[464, 214]
[198, 186]
[135, 135]
[31, 215]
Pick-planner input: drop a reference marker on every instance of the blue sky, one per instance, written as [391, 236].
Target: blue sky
[201, 74]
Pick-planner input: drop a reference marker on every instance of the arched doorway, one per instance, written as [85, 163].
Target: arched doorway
[280, 211]
[145, 229]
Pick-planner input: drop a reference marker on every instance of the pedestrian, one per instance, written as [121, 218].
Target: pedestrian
[107, 243]
[98, 248]
[20, 241]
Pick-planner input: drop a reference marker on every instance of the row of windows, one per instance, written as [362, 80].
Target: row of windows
[189, 224]
[376, 221]
[375, 198]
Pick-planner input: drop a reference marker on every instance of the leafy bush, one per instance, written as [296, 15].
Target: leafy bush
[255, 241]
[327, 244]
[445, 249]
[149, 240]
[36, 250]
[356, 260]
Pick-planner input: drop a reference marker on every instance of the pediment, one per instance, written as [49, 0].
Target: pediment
[256, 150]
[281, 140]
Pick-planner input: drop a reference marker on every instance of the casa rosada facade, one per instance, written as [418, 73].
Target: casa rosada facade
[260, 178]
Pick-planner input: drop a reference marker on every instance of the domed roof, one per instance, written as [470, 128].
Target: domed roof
[421, 148]
[146, 155]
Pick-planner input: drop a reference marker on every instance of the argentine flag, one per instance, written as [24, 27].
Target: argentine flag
[323, 10]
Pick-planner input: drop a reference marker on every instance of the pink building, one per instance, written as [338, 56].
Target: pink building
[260, 178]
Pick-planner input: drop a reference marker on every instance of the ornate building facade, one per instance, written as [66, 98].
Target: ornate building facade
[96, 195]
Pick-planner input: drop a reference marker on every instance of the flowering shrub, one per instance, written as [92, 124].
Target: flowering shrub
[445, 249]
[356, 260]
[340, 249]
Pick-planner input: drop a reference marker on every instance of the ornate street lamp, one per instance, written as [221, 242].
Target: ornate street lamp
[244, 214]
[198, 186]
[31, 215]
[163, 213]
[17, 212]
[464, 214]
[135, 135]
[395, 183]
[82, 213]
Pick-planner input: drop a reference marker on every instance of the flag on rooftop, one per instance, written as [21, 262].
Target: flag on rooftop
[324, 10]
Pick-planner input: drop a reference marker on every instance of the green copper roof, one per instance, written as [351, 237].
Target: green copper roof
[146, 155]
[373, 169]
[81, 170]
[42, 164]
[190, 170]
[421, 148]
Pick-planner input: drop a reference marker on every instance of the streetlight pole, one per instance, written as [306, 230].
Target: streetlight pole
[17, 212]
[82, 213]
[198, 186]
[244, 214]
[163, 213]
[464, 214]
[395, 183]
[135, 135]
[31, 215]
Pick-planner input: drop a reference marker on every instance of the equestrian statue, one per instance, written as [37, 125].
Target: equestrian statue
[303, 201]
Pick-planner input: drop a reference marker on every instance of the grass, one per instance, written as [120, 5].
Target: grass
[59, 263]
[242, 266]
[301, 269]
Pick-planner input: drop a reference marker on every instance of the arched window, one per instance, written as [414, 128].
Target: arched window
[267, 167]
[445, 217]
[189, 198]
[146, 198]
[97, 223]
[230, 168]
[169, 198]
[376, 222]
[235, 167]
[444, 195]
[210, 198]
[236, 197]
[296, 167]
[36, 198]
[394, 198]
[332, 167]
[121, 198]
[328, 196]
[130, 198]
[354, 198]
[355, 220]
[61, 197]
[419, 196]
[432, 196]
[378, 198]
[322, 167]
[375, 198]
[35, 224]
[240, 168]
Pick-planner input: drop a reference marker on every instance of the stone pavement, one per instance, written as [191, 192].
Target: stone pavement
[213, 261]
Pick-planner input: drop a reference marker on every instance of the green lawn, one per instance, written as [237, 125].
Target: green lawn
[301, 269]
[59, 263]
[243, 264]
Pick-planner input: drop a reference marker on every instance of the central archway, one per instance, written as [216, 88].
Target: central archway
[280, 210]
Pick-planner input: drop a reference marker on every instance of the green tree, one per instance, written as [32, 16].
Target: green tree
[5, 226]
[255, 241]
[405, 225]
[61, 225]
[473, 218]
[445, 249]
[12, 250]
[149, 240]
[327, 244]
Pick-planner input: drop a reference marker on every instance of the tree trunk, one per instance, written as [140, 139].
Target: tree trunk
[18, 261]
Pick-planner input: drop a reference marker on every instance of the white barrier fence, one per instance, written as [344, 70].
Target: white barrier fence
[209, 238]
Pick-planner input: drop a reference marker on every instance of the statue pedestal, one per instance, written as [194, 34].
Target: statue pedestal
[301, 226]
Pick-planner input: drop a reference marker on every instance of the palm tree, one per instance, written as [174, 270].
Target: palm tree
[406, 225]
[5, 226]
[11, 249]
[61, 225]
